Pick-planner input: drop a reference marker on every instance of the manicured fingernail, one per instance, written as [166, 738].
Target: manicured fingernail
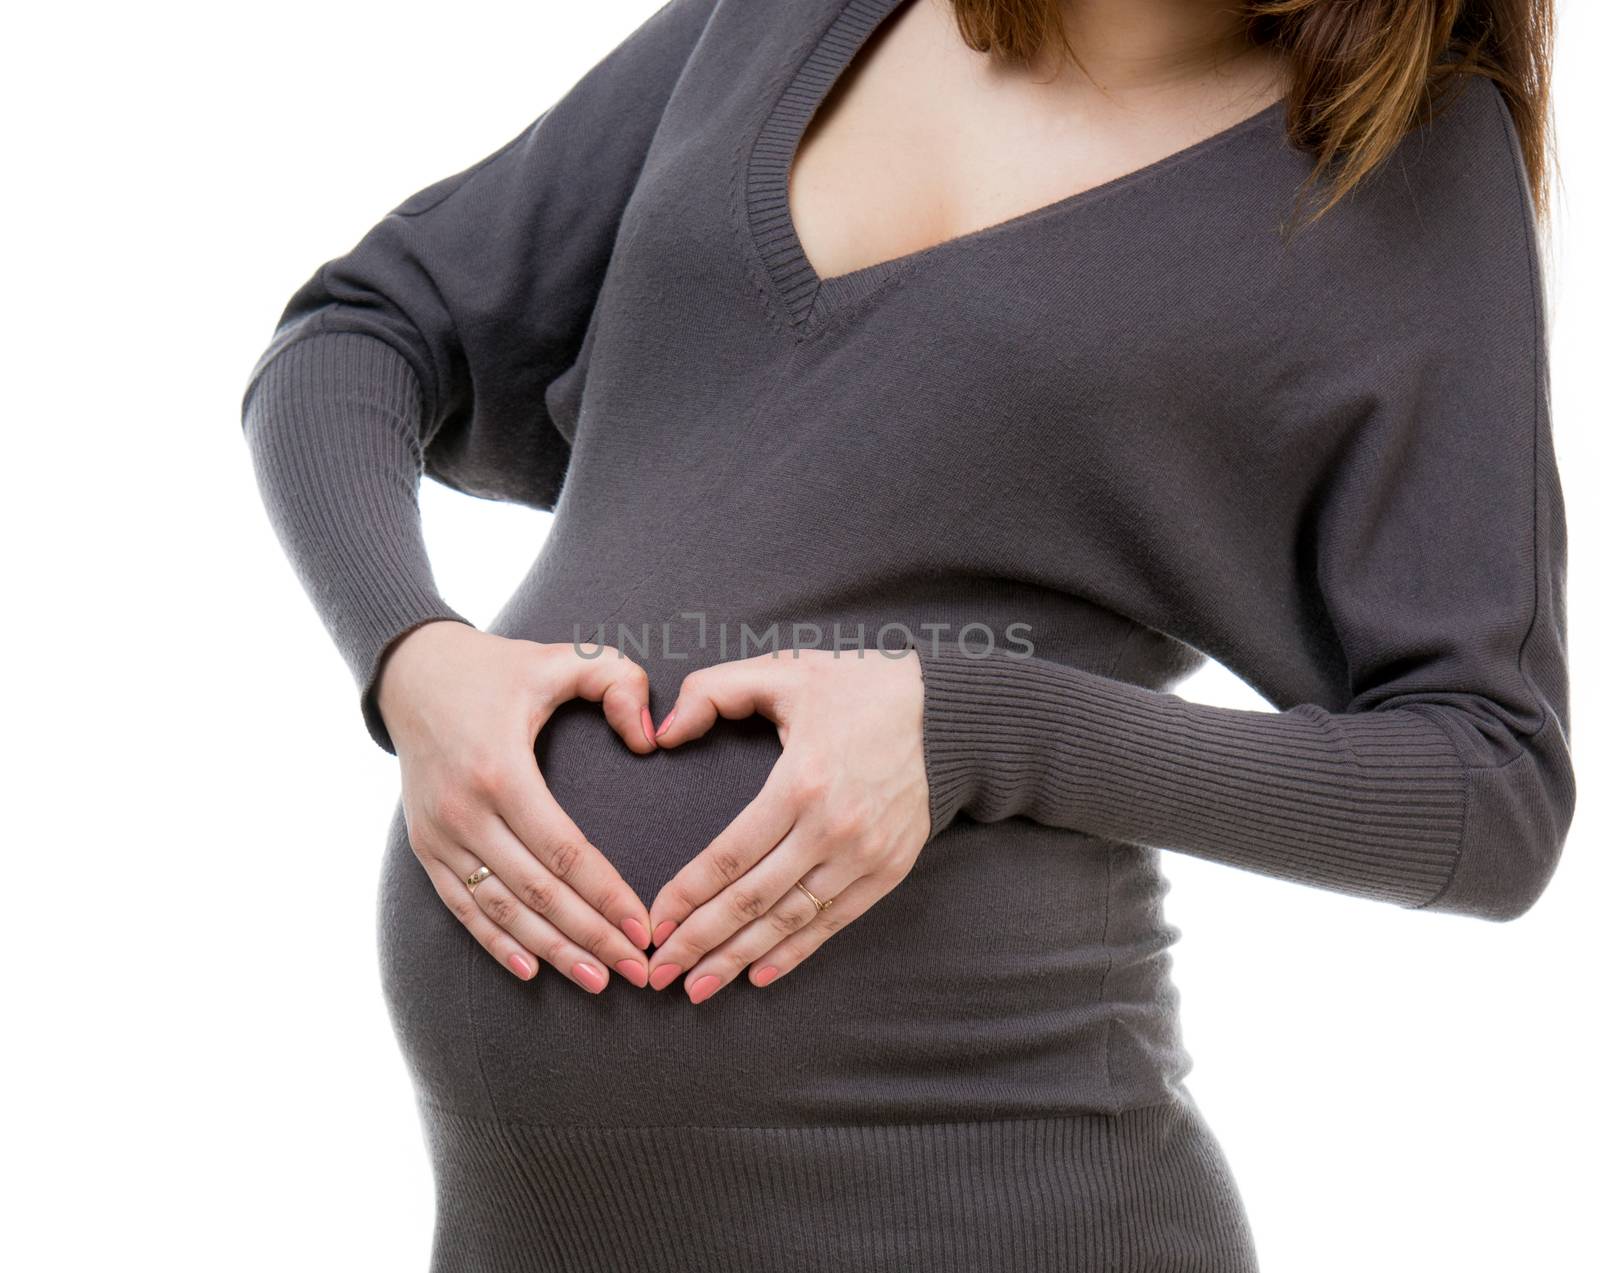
[638, 934]
[703, 987]
[764, 975]
[666, 724]
[590, 976]
[520, 966]
[664, 930]
[649, 728]
[663, 975]
[633, 970]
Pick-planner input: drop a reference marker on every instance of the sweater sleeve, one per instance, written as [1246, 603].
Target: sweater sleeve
[428, 346]
[1444, 780]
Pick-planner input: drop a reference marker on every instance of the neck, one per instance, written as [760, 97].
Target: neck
[1136, 45]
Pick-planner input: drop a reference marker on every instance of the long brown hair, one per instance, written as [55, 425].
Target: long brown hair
[1362, 72]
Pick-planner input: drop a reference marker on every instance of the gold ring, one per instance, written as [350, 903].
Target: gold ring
[818, 903]
[477, 878]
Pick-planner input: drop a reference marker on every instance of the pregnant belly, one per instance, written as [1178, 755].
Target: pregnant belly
[1016, 971]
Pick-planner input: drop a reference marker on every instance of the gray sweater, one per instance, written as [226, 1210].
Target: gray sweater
[1111, 437]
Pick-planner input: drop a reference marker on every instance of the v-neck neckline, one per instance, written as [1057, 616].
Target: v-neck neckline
[807, 298]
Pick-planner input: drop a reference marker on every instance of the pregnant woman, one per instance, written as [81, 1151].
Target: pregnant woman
[923, 390]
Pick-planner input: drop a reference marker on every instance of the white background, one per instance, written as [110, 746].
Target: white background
[203, 1074]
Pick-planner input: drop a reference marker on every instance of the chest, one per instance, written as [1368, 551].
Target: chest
[1124, 297]
[918, 139]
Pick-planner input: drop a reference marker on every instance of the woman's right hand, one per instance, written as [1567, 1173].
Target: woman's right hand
[463, 708]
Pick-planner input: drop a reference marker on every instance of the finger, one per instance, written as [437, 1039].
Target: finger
[542, 826]
[497, 900]
[619, 685]
[744, 900]
[586, 934]
[752, 834]
[792, 911]
[849, 905]
[534, 931]
[553, 868]
[453, 892]
[731, 690]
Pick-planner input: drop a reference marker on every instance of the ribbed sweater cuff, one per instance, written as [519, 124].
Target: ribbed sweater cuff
[1369, 803]
[333, 422]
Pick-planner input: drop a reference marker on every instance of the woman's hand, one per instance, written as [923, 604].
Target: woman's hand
[844, 811]
[463, 708]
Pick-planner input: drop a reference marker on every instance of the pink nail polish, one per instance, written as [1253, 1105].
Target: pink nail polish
[590, 976]
[663, 975]
[637, 933]
[633, 970]
[520, 966]
[649, 728]
[703, 987]
[764, 975]
[666, 724]
[664, 930]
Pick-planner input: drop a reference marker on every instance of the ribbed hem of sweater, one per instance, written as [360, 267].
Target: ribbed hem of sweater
[1146, 1189]
[1370, 804]
[332, 423]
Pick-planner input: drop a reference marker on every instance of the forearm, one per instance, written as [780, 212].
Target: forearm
[1381, 804]
[332, 427]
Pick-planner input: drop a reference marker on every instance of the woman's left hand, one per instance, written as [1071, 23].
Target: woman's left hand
[844, 812]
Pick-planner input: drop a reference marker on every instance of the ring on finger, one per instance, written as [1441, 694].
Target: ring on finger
[815, 900]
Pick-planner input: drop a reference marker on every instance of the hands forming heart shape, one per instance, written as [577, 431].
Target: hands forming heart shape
[839, 822]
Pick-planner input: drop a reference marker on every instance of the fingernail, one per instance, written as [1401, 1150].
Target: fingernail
[666, 724]
[649, 728]
[638, 934]
[663, 975]
[520, 966]
[590, 976]
[633, 970]
[764, 975]
[703, 987]
[664, 930]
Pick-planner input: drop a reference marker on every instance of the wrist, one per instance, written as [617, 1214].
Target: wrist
[404, 662]
[954, 723]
